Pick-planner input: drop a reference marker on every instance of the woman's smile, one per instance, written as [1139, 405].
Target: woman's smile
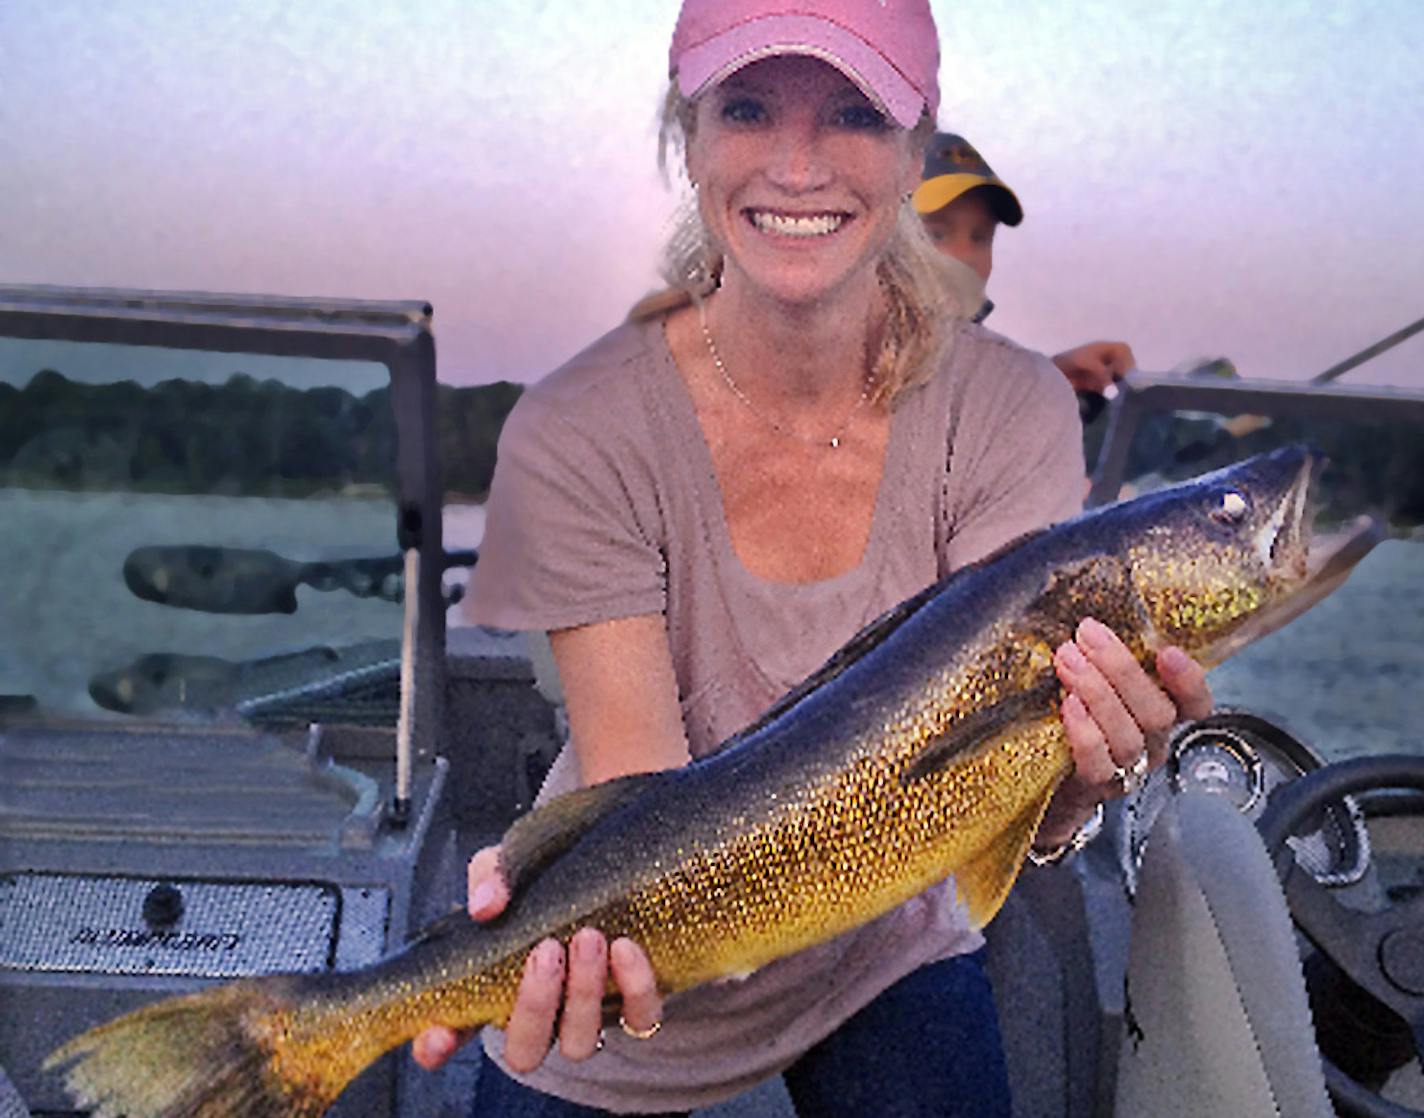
[800, 179]
[780, 224]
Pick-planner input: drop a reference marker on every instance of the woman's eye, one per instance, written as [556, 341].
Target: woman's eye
[861, 117]
[743, 110]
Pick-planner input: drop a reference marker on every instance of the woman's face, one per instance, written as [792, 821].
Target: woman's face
[800, 179]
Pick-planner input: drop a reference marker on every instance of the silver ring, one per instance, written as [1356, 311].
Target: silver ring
[639, 1034]
[1130, 778]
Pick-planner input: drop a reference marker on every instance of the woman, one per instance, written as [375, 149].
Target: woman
[712, 498]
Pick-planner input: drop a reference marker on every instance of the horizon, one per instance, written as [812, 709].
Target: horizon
[1199, 183]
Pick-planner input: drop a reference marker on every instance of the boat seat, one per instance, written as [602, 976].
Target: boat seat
[11, 1105]
[1216, 1015]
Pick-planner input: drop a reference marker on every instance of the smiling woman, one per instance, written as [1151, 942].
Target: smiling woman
[799, 432]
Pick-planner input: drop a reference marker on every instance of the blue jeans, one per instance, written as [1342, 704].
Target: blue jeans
[928, 1047]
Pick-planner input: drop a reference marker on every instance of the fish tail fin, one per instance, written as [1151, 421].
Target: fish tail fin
[202, 1055]
[985, 881]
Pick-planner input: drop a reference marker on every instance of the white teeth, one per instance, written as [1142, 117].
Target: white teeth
[786, 226]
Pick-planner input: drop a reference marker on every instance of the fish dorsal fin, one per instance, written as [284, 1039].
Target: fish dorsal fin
[873, 634]
[1047, 622]
[536, 839]
[986, 880]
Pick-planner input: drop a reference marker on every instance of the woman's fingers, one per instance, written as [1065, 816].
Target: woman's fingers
[487, 895]
[1114, 710]
[536, 1007]
[1185, 681]
[1092, 763]
[437, 1044]
[563, 994]
[642, 1004]
[581, 1025]
[486, 890]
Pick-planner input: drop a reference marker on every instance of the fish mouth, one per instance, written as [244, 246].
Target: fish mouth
[1283, 542]
[1331, 558]
[1301, 566]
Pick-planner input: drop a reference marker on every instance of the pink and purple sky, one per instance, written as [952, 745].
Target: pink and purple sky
[1200, 178]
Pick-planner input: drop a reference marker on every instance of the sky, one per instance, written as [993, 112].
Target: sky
[1201, 178]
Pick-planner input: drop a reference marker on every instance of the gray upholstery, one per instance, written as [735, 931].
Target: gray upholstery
[11, 1105]
[1217, 1020]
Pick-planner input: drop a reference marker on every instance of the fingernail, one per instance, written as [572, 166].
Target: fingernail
[623, 949]
[1093, 633]
[549, 958]
[1072, 657]
[482, 897]
[1173, 660]
[586, 948]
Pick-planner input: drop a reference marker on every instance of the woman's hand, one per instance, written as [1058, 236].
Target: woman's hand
[1115, 715]
[1094, 366]
[560, 990]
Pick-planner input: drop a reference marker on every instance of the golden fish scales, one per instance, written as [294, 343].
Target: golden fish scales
[860, 843]
[929, 745]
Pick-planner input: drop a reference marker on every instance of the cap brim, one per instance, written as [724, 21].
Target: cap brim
[717, 58]
[936, 193]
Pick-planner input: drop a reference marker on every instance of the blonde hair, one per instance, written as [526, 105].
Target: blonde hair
[925, 294]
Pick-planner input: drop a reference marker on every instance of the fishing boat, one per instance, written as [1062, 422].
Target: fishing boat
[237, 734]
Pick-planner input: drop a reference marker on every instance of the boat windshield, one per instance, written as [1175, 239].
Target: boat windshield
[1344, 676]
[191, 534]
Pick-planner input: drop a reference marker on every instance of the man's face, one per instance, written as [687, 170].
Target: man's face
[964, 229]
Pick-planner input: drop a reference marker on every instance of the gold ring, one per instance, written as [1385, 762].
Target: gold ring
[639, 1034]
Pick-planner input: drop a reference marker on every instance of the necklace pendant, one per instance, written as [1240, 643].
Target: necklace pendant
[835, 441]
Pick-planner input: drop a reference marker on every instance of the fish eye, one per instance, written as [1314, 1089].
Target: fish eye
[1231, 507]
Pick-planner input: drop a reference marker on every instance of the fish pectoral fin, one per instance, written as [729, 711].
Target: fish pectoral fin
[984, 883]
[1097, 585]
[536, 839]
[441, 927]
[982, 724]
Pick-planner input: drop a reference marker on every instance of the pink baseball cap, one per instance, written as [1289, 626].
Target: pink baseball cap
[889, 48]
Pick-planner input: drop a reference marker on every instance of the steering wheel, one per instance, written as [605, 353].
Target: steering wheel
[1381, 952]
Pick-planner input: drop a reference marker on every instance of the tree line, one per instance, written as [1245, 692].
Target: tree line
[244, 437]
[247, 437]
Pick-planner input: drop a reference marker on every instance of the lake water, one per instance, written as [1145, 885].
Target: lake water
[1347, 678]
[66, 614]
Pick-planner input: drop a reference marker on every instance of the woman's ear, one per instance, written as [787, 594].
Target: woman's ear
[914, 164]
[918, 145]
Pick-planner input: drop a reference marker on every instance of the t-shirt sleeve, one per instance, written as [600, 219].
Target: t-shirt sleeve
[1016, 460]
[571, 527]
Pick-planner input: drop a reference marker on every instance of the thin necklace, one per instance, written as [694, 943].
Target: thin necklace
[833, 443]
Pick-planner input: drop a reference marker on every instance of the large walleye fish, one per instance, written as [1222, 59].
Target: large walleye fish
[928, 746]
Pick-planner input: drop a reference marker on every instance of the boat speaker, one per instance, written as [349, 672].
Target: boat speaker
[250, 853]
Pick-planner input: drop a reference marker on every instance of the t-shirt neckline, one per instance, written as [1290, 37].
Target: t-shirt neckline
[684, 413]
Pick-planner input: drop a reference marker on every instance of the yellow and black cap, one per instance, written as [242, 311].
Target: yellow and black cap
[952, 167]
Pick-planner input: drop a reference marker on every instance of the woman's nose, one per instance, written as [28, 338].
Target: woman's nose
[799, 162]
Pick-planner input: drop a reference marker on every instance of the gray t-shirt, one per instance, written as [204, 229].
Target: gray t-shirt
[605, 504]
